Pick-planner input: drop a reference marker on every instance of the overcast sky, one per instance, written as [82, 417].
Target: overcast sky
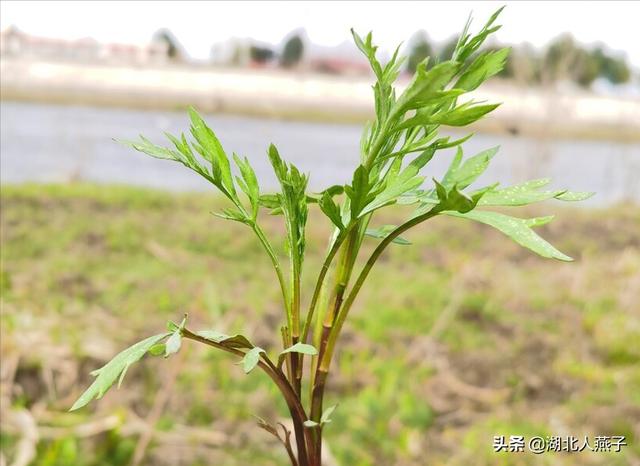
[198, 25]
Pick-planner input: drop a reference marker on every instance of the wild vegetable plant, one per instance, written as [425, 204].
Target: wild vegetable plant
[395, 149]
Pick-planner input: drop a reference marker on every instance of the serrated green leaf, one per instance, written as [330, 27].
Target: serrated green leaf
[326, 414]
[332, 190]
[446, 144]
[391, 193]
[517, 229]
[462, 115]
[400, 183]
[359, 192]
[121, 378]
[538, 221]
[232, 341]
[486, 65]
[299, 347]
[270, 201]
[448, 179]
[279, 167]
[465, 173]
[331, 210]
[232, 214]
[467, 45]
[182, 146]
[250, 183]
[325, 418]
[528, 193]
[570, 196]
[114, 369]
[151, 149]
[427, 86]
[454, 199]
[359, 42]
[210, 148]
[293, 202]
[394, 170]
[303, 348]
[369, 50]
[383, 231]
[251, 359]
[520, 194]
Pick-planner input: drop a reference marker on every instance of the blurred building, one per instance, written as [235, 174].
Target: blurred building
[15, 43]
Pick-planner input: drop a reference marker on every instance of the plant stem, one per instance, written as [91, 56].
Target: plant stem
[292, 456]
[286, 342]
[320, 281]
[343, 274]
[292, 308]
[303, 436]
[325, 361]
[353, 235]
[377, 144]
[318, 378]
[335, 246]
[296, 360]
[316, 404]
[274, 260]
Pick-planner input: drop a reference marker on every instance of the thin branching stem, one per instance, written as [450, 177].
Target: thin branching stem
[344, 311]
[298, 415]
[320, 281]
[274, 260]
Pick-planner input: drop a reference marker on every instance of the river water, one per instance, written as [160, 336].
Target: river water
[52, 143]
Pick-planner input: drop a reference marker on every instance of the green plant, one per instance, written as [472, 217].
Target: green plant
[395, 148]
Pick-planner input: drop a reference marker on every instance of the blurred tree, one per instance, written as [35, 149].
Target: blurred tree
[260, 54]
[566, 60]
[617, 71]
[523, 65]
[614, 69]
[446, 51]
[292, 52]
[174, 49]
[419, 49]
[587, 68]
[558, 58]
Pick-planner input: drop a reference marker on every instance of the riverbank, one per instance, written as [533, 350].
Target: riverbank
[304, 96]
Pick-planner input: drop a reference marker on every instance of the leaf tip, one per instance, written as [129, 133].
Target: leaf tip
[76, 406]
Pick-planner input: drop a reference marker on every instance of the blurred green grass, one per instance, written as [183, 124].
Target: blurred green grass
[457, 338]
